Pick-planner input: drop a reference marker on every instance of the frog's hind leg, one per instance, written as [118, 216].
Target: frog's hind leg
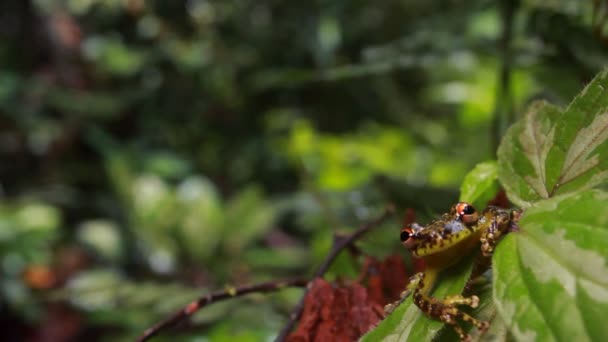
[445, 310]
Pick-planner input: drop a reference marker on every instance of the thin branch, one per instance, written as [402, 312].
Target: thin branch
[210, 298]
[343, 242]
[340, 243]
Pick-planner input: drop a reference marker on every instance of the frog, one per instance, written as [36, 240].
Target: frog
[441, 244]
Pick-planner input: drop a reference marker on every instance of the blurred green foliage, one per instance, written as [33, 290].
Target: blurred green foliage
[153, 150]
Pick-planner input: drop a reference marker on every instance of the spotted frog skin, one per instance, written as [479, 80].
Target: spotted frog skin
[444, 242]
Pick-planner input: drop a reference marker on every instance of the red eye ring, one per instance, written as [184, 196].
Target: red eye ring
[466, 213]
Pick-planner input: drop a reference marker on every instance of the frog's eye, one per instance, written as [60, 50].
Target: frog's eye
[466, 213]
[407, 236]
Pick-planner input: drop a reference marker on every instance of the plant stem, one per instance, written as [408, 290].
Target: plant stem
[199, 303]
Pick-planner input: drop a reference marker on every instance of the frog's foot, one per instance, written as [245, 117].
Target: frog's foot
[447, 311]
[451, 315]
[390, 307]
[412, 284]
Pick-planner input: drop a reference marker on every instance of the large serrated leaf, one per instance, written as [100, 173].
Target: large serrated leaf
[551, 152]
[408, 323]
[551, 277]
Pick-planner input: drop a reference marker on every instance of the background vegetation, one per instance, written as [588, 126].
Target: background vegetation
[151, 151]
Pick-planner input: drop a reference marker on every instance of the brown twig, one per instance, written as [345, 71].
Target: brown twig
[196, 305]
[340, 243]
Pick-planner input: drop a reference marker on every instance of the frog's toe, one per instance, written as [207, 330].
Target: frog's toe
[474, 301]
[389, 308]
[480, 325]
[464, 337]
[487, 249]
[483, 326]
[454, 300]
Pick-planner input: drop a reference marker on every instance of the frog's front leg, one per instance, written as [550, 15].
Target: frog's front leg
[443, 310]
[499, 225]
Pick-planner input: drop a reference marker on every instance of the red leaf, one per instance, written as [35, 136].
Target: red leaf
[341, 313]
[346, 312]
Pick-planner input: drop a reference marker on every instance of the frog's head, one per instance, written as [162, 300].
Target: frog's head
[442, 234]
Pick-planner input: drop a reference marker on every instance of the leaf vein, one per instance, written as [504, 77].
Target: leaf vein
[593, 104]
[532, 298]
[564, 172]
[518, 175]
[560, 261]
[541, 168]
[551, 254]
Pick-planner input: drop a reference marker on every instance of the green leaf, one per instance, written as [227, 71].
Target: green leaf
[551, 152]
[480, 185]
[113, 299]
[38, 217]
[103, 237]
[408, 323]
[154, 204]
[551, 277]
[249, 214]
[201, 219]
